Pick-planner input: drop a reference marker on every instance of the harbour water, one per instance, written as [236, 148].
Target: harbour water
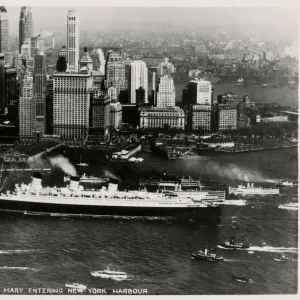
[49, 252]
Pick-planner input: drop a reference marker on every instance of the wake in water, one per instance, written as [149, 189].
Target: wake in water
[18, 268]
[265, 249]
[20, 251]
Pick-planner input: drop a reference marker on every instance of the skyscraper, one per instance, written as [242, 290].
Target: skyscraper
[4, 33]
[138, 78]
[39, 92]
[115, 72]
[200, 92]
[166, 92]
[2, 83]
[100, 116]
[25, 25]
[71, 103]
[72, 41]
[25, 107]
[37, 44]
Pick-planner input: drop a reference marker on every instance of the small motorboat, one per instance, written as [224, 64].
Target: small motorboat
[286, 183]
[241, 279]
[77, 286]
[282, 258]
[200, 255]
[290, 206]
[232, 245]
[110, 274]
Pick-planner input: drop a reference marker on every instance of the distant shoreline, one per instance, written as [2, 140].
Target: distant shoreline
[252, 150]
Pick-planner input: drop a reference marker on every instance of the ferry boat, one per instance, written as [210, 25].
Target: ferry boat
[249, 189]
[88, 179]
[290, 206]
[75, 200]
[110, 274]
[185, 186]
[77, 286]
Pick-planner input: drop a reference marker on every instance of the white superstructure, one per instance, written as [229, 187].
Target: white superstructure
[249, 189]
[76, 195]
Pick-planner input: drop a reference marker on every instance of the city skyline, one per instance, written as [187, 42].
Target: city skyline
[258, 17]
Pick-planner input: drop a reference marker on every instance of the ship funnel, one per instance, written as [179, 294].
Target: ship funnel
[74, 183]
[113, 185]
[205, 251]
[36, 182]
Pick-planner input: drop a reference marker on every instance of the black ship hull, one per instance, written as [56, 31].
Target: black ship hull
[205, 214]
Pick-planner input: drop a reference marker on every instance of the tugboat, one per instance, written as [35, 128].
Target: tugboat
[109, 274]
[241, 279]
[232, 245]
[282, 258]
[200, 255]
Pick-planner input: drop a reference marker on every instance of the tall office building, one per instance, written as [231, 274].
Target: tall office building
[227, 116]
[49, 107]
[39, 92]
[115, 72]
[25, 107]
[25, 25]
[71, 103]
[26, 49]
[37, 44]
[4, 32]
[199, 117]
[138, 78]
[100, 116]
[200, 92]
[72, 41]
[11, 86]
[2, 83]
[166, 92]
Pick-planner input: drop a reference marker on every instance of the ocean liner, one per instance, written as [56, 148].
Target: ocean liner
[107, 201]
[249, 189]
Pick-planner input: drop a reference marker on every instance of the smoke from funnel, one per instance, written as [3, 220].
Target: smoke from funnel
[230, 171]
[64, 164]
[110, 175]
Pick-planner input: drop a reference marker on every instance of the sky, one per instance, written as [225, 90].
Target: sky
[92, 18]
